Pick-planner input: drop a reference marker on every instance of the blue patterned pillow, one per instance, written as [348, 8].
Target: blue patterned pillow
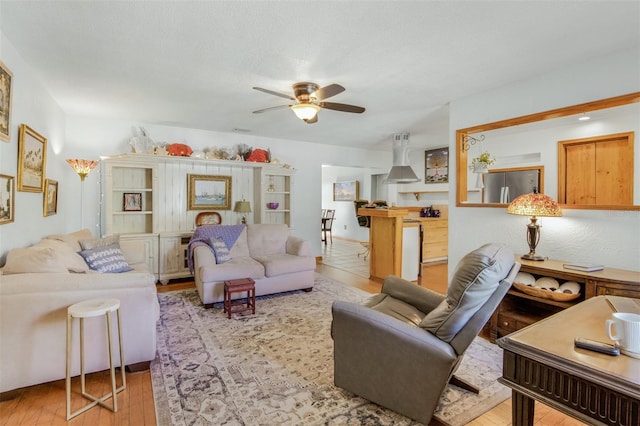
[107, 259]
[220, 250]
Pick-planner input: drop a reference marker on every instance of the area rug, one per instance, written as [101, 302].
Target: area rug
[276, 367]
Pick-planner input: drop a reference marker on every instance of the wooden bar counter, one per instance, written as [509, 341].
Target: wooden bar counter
[385, 241]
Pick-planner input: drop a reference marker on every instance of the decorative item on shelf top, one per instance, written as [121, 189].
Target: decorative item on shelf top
[273, 206]
[534, 205]
[179, 150]
[259, 156]
[141, 142]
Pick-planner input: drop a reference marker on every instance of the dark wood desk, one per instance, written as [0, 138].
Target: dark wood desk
[541, 363]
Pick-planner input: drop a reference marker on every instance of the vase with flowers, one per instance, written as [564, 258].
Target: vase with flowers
[481, 163]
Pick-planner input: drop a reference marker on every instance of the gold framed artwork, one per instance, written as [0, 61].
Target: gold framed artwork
[207, 192]
[346, 191]
[6, 80]
[7, 198]
[436, 165]
[32, 159]
[50, 197]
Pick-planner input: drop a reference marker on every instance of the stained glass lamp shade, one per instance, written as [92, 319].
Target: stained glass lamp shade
[534, 205]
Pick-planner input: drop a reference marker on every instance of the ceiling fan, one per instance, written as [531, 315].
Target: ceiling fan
[310, 98]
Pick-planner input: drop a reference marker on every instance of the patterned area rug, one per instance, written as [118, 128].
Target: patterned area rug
[276, 367]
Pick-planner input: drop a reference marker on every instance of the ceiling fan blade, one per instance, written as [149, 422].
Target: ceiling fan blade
[270, 108]
[312, 120]
[341, 107]
[271, 92]
[327, 91]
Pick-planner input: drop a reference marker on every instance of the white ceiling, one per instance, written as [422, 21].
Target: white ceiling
[193, 64]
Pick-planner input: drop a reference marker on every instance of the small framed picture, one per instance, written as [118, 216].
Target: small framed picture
[436, 165]
[346, 191]
[132, 202]
[7, 198]
[50, 197]
[5, 102]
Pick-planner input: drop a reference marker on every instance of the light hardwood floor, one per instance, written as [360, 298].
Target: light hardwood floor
[45, 404]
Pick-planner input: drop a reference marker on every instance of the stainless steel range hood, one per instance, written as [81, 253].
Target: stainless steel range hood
[401, 171]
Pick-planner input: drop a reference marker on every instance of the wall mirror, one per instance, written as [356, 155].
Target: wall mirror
[532, 142]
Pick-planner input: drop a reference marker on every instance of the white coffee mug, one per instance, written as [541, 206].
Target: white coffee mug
[627, 332]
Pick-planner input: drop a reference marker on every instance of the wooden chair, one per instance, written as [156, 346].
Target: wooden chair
[365, 222]
[327, 224]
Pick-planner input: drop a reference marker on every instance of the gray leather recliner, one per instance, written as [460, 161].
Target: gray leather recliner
[401, 347]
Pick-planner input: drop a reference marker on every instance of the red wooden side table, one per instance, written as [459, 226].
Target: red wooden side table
[239, 286]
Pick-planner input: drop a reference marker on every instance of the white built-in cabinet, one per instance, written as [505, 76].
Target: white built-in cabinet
[173, 255]
[162, 220]
[130, 204]
[273, 185]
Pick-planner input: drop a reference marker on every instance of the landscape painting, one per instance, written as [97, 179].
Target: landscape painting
[209, 192]
[346, 191]
[32, 158]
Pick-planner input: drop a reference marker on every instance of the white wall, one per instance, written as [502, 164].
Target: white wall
[346, 223]
[608, 237]
[33, 106]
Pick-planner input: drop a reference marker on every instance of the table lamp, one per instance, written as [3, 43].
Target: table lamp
[534, 205]
[243, 207]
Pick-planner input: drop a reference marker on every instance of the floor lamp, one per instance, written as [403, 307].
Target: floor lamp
[534, 205]
[82, 168]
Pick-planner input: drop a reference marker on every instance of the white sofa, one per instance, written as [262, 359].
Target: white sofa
[267, 253]
[33, 307]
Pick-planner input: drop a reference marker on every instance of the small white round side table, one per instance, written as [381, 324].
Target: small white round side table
[88, 309]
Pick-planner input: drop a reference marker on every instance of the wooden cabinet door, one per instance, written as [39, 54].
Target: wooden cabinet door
[596, 171]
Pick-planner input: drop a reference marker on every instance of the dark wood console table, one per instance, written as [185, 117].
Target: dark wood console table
[541, 363]
[519, 310]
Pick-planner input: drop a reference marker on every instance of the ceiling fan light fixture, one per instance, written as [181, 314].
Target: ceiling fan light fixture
[305, 111]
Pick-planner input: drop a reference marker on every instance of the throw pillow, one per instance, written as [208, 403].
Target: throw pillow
[220, 250]
[33, 260]
[72, 238]
[64, 254]
[108, 259]
[103, 242]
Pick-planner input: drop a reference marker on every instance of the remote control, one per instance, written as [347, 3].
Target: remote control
[592, 345]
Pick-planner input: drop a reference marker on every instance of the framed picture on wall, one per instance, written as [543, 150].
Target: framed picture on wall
[6, 80]
[209, 192]
[346, 191]
[50, 197]
[32, 159]
[436, 165]
[132, 202]
[7, 198]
